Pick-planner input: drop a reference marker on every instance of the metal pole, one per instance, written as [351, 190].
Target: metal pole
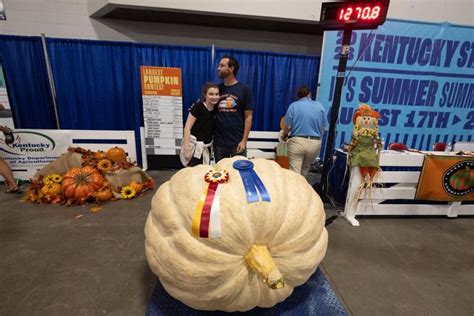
[213, 58]
[50, 79]
[341, 71]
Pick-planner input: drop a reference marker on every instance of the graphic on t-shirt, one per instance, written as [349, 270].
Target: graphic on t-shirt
[228, 103]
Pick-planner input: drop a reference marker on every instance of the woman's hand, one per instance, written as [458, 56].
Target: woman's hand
[241, 146]
[187, 153]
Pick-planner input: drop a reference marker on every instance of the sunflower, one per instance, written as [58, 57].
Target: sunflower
[48, 179]
[56, 178]
[104, 165]
[127, 192]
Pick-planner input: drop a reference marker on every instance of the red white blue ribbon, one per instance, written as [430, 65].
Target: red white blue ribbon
[206, 220]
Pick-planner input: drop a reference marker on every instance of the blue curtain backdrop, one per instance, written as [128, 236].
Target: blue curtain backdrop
[27, 81]
[98, 82]
[274, 79]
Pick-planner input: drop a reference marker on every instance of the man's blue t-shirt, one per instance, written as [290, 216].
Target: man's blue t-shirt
[306, 118]
[234, 100]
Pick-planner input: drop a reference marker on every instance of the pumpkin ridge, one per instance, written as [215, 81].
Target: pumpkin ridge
[231, 219]
[308, 236]
[150, 247]
[163, 192]
[313, 256]
[195, 243]
[288, 212]
[248, 297]
[299, 221]
[247, 276]
[219, 293]
[279, 183]
[180, 278]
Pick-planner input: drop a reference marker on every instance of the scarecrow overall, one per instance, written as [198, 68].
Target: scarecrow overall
[365, 146]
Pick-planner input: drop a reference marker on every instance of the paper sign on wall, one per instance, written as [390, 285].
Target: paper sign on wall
[162, 109]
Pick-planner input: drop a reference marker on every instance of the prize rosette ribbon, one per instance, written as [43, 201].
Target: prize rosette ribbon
[253, 185]
[206, 220]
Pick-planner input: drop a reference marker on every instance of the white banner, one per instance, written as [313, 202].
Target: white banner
[34, 149]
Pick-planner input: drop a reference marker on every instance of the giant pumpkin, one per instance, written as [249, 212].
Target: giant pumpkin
[266, 248]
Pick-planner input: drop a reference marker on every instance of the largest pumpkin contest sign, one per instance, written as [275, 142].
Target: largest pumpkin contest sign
[162, 109]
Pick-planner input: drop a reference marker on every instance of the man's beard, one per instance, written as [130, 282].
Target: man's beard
[223, 75]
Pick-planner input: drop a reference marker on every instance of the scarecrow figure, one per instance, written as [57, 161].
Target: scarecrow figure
[365, 146]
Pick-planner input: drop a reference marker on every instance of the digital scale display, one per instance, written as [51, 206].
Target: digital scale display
[356, 15]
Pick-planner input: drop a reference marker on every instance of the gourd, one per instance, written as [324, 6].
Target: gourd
[81, 182]
[137, 186]
[116, 154]
[266, 248]
[51, 189]
[99, 155]
[104, 194]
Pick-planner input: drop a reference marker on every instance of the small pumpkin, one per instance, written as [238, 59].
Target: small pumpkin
[116, 154]
[32, 196]
[266, 248]
[81, 182]
[104, 194]
[51, 189]
[99, 155]
[137, 186]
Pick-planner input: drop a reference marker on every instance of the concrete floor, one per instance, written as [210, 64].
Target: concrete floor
[54, 264]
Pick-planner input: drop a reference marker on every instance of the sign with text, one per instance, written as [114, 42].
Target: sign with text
[34, 149]
[446, 178]
[162, 109]
[419, 76]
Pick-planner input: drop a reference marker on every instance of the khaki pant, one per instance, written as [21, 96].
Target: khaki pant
[302, 152]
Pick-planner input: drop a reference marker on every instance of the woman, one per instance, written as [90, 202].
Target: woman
[7, 174]
[199, 127]
[5, 170]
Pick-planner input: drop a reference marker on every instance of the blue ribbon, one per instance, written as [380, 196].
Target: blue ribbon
[252, 182]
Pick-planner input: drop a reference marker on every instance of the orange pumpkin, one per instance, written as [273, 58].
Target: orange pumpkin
[104, 194]
[51, 189]
[116, 154]
[81, 182]
[137, 186]
[99, 155]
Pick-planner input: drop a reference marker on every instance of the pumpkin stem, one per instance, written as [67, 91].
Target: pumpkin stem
[260, 260]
